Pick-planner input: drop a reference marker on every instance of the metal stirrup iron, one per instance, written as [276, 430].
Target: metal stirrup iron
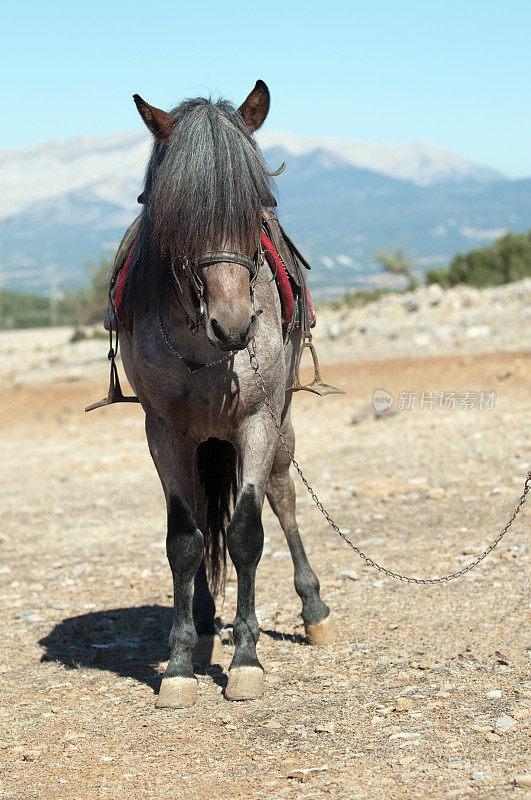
[115, 394]
[318, 386]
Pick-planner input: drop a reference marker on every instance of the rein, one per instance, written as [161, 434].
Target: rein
[253, 360]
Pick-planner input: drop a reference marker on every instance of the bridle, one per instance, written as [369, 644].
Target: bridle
[190, 267]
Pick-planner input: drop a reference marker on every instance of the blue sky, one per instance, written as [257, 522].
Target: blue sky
[457, 73]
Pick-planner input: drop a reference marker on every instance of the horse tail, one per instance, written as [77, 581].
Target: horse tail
[217, 470]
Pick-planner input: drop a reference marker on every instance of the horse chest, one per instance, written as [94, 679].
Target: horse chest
[199, 405]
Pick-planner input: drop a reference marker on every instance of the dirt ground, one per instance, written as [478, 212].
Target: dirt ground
[424, 695]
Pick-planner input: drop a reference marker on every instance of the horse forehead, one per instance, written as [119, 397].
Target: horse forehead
[226, 276]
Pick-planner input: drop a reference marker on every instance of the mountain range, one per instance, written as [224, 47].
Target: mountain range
[64, 203]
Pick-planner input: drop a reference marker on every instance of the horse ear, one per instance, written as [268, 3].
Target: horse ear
[254, 109]
[160, 123]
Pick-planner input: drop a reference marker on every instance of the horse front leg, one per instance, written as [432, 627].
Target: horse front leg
[184, 547]
[245, 540]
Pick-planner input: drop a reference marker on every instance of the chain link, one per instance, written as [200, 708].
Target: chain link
[396, 575]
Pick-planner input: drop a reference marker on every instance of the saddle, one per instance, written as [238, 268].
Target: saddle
[296, 268]
[290, 272]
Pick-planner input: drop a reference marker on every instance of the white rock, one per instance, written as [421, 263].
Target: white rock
[505, 724]
[435, 291]
[421, 340]
[481, 776]
[349, 575]
[304, 774]
[495, 694]
[477, 331]
[262, 614]
[333, 330]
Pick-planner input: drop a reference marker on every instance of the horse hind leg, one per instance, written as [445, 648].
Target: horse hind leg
[318, 624]
[212, 500]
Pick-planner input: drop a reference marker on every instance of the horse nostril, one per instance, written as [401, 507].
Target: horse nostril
[251, 323]
[218, 331]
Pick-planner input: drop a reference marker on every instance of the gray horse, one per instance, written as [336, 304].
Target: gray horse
[195, 288]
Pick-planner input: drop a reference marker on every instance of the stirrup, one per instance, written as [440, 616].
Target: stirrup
[317, 385]
[115, 394]
[115, 391]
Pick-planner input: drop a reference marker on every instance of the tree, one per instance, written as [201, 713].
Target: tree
[91, 303]
[507, 259]
[395, 263]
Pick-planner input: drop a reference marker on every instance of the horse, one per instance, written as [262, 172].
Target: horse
[198, 296]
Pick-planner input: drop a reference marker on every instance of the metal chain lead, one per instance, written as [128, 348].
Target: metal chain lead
[397, 576]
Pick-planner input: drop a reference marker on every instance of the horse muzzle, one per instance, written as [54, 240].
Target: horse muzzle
[227, 333]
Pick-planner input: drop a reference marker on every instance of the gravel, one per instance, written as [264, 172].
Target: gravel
[397, 708]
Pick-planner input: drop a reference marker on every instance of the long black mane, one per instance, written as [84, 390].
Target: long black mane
[205, 187]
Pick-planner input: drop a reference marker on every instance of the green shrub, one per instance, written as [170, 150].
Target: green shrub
[362, 297]
[25, 310]
[507, 259]
[90, 304]
[86, 307]
[438, 275]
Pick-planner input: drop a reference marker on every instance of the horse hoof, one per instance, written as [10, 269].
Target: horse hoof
[177, 692]
[245, 683]
[321, 633]
[208, 650]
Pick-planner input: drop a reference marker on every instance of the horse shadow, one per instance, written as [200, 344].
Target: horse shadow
[129, 642]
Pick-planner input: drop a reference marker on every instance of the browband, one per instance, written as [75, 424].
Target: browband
[217, 256]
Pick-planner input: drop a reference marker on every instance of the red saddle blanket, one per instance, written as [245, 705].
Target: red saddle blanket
[289, 295]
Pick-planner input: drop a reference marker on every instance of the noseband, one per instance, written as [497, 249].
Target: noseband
[205, 259]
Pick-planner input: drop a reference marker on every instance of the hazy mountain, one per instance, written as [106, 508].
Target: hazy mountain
[70, 200]
[423, 163]
[111, 166]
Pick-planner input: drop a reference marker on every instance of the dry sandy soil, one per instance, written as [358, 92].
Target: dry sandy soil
[413, 699]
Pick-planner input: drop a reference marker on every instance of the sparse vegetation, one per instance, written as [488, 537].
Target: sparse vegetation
[507, 259]
[357, 299]
[22, 310]
[91, 303]
[86, 307]
[396, 263]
